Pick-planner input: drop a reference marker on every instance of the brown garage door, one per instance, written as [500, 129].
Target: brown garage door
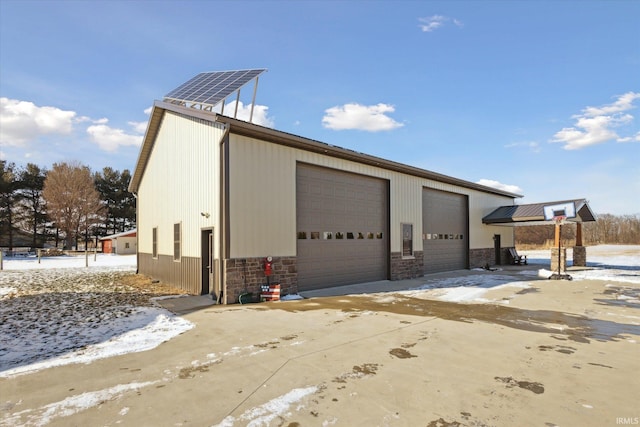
[342, 224]
[445, 229]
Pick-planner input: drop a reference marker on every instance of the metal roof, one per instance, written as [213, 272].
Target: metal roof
[533, 214]
[278, 137]
[123, 234]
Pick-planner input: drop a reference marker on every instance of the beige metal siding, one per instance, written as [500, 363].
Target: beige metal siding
[180, 183]
[481, 235]
[263, 206]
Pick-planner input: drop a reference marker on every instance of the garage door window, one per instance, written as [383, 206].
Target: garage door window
[154, 243]
[176, 242]
[407, 240]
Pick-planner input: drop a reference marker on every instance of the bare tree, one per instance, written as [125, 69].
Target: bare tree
[609, 229]
[72, 200]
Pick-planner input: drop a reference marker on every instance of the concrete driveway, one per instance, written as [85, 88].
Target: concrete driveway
[561, 353]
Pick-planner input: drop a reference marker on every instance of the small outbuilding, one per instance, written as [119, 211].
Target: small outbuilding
[125, 243]
[220, 198]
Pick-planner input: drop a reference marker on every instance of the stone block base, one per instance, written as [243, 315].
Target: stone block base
[580, 256]
[247, 275]
[407, 268]
[563, 260]
[478, 258]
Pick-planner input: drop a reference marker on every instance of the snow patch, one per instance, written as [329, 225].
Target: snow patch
[73, 404]
[57, 312]
[264, 414]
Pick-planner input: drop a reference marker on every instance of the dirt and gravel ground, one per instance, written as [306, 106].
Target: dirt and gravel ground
[555, 353]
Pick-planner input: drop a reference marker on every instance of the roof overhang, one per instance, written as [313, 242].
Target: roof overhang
[533, 214]
[130, 233]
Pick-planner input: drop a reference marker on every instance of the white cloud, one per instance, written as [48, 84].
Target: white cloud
[372, 118]
[110, 139]
[139, 127]
[595, 125]
[432, 23]
[22, 122]
[533, 146]
[147, 111]
[624, 103]
[260, 113]
[500, 186]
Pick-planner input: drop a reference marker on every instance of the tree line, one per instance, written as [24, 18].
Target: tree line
[62, 206]
[608, 229]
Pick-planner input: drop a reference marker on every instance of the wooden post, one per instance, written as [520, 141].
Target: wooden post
[578, 234]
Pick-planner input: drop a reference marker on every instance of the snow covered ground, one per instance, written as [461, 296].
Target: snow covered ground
[615, 263]
[57, 311]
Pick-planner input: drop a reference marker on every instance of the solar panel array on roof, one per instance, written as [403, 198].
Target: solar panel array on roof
[211, 88]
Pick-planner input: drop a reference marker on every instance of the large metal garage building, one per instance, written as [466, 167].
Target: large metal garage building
[217, 195]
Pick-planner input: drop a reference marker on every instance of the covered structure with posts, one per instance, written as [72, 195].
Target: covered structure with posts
[534, 214]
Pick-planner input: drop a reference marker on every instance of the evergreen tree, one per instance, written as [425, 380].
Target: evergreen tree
[31, 203]
[8, 197]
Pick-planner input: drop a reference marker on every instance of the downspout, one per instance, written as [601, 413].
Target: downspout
[224, 206]
[135, 196]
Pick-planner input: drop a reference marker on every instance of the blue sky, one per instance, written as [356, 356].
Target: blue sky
[540, 98]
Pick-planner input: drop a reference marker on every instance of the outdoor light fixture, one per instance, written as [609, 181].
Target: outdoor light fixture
[205, 214]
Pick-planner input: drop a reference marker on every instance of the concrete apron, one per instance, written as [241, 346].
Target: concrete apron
[187, 304]
[408, 284]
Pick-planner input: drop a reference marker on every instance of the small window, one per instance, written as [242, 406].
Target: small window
[302, 235]
[360, 235]
[407, 240]
[339, 235]
[327, 235]
[154, 242]
[176, 241]
[378, 235]
[369, 235]
[349, 235]
[126, 245]
[315, 235]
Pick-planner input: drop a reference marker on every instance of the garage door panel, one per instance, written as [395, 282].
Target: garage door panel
[351, 204]
[445, 228]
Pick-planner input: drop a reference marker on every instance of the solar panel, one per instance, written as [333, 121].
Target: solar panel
[210, 88]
